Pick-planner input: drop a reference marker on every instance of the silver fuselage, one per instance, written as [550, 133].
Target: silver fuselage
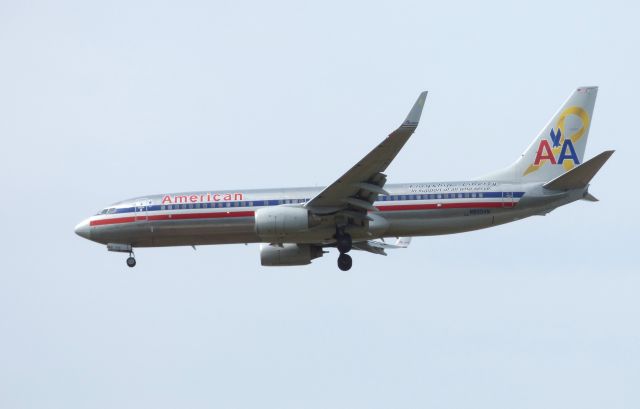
[223, 217]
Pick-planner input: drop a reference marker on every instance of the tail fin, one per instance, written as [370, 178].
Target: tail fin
[560, 146]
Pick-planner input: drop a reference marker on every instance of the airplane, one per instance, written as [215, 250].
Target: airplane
[359, 209]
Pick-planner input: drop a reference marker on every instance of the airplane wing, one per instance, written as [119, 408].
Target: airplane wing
[354, 192]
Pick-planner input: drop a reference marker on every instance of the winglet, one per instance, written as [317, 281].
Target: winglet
[414, 115]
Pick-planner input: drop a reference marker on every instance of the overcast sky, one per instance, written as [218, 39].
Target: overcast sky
[102, 101]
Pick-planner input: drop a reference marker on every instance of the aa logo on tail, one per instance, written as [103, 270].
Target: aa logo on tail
[545, 152]
[558, 149]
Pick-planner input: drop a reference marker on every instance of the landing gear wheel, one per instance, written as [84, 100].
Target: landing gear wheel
[131, 262]
[343, 242]
[344, 262]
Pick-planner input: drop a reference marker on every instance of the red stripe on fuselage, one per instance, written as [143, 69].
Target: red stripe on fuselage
[174, 216]
[210, 215]
[116, 220]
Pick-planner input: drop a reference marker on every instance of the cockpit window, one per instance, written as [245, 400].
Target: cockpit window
[108, 210]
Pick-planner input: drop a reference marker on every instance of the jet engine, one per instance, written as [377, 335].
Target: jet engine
[279, 221]
[288, 254]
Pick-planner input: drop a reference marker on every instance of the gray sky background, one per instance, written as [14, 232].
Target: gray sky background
[103, 101]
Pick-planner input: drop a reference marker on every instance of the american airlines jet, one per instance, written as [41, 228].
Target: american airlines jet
[359, 209]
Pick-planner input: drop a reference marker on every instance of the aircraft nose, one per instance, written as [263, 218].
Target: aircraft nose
[83, 230]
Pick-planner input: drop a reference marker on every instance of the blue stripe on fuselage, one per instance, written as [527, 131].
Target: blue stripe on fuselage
[277, 202]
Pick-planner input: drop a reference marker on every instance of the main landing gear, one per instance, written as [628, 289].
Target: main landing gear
[344, 262]
[344, 244]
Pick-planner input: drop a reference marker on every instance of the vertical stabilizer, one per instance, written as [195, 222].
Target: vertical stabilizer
[560, 146]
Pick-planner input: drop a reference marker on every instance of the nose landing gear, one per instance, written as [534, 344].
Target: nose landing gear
[344, 245]
[131, 260]
[124, 248]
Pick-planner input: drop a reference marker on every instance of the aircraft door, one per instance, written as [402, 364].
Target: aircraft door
[507, 199]
[141, 210]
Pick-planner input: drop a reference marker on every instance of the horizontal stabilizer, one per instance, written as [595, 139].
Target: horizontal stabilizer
[379, 247]
[590, 198]
[581, 175]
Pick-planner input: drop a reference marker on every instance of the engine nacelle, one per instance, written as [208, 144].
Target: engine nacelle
[279, 221]
[288, 254]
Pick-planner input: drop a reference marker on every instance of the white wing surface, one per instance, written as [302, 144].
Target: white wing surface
[379, 247]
